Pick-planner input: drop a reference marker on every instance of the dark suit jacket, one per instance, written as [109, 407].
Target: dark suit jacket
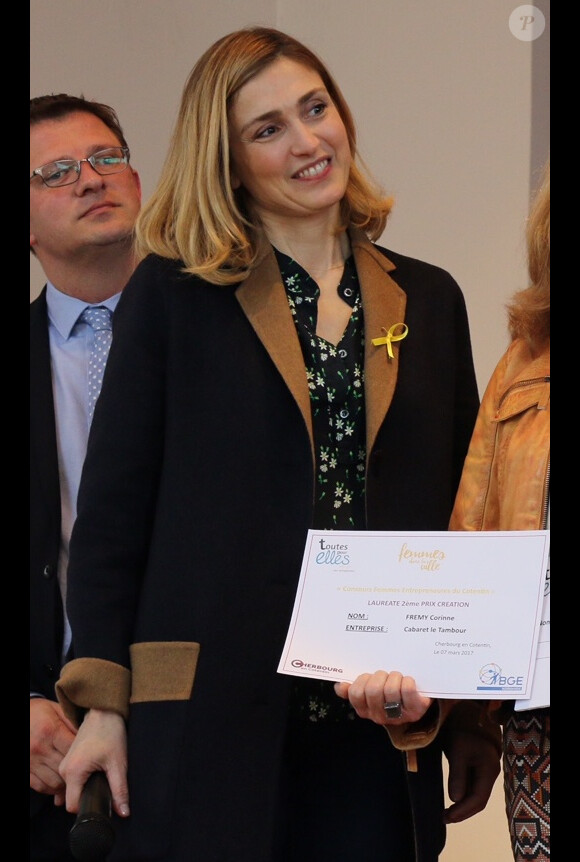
[46, 612]
[46, 616]
[195, 539]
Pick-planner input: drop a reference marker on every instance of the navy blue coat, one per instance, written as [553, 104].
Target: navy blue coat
[194, 505]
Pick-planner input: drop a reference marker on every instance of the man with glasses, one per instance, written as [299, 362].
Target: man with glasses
[84, 199]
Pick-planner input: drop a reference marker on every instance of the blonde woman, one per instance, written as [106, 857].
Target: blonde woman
[261, 385]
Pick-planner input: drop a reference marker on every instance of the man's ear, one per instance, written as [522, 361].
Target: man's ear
[137, 179]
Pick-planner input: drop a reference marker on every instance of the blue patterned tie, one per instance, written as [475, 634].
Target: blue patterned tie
[99, 319]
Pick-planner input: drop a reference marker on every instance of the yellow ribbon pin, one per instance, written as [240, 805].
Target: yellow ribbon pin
[392, 335]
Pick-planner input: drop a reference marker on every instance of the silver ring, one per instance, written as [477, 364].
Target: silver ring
[393, 710]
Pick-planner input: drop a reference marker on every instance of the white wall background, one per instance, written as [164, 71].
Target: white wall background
[452, 111]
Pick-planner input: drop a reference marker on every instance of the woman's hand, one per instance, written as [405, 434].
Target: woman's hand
[100, 745]
[371, 694]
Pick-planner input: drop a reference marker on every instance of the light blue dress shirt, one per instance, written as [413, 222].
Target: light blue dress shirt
[70, 344]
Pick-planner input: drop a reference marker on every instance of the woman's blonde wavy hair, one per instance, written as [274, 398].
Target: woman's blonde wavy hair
[194, 215]
[529, 309]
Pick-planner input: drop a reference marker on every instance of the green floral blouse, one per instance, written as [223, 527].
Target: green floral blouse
[336, 381]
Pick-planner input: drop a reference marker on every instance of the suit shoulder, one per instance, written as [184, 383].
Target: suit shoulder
[155, 273]
[154, 266]
[38, 304]
[411, 271]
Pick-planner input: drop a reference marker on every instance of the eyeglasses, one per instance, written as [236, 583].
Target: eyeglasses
[64, 172]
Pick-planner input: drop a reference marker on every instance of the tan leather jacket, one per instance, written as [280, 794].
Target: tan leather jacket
[505, 479]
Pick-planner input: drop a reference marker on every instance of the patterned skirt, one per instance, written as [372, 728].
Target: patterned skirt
[526, 766]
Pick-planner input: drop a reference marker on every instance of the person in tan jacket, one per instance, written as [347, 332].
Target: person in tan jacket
[505, 486]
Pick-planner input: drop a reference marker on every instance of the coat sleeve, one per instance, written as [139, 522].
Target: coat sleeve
[448, 716]
[89, 683]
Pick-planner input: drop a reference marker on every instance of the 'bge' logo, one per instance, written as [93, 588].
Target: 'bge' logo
[490, 674]
[492, 677]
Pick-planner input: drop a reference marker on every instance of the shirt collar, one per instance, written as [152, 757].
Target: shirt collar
[64, 310]
[348, 288]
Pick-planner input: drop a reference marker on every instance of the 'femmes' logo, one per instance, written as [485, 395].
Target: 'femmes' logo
[428, 560]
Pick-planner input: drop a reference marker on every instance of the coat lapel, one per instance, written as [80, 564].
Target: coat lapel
[264, 301]
[42, 422]
[384, 306]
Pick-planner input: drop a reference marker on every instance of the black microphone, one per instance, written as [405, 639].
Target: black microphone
[92, 836]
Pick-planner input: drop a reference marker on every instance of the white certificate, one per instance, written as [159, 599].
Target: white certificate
[458, 611]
